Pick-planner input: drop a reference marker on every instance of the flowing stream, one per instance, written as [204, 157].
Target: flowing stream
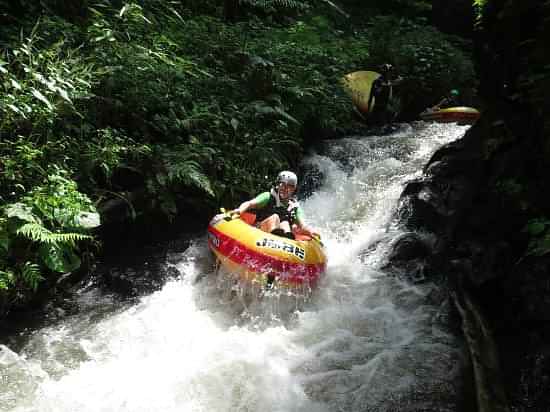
[364, 341]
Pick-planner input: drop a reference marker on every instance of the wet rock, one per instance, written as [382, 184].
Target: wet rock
[478, 214]
[138, 280]
[409, 246]
[407, 258]
[416, 209]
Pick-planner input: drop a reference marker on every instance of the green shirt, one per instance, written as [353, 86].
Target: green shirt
[265, 198]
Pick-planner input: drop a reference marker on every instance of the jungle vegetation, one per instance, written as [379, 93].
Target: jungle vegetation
[179, 106]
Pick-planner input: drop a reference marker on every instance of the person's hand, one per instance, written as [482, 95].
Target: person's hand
[313, 232]
[292, 204]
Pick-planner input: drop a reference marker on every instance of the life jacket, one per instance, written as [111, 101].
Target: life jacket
[286, 211]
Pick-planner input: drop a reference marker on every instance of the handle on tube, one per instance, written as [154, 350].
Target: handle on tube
[230, 214]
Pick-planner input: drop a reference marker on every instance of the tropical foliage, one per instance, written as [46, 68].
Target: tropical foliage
[103, 100]
[44, 231]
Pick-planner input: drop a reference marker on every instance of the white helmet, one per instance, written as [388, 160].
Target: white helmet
[287, 177]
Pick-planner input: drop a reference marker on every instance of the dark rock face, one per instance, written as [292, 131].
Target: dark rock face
[437, 202]
[140, 269]
[138, 280]
[479, 194]
[477, 222]
[409, 246]
[409, 256]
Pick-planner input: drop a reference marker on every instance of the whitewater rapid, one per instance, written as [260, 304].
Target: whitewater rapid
[365, 341]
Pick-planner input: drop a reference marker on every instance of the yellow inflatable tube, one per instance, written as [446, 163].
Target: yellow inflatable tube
[256, 256]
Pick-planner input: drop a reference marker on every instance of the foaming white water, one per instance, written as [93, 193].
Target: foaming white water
[166, 355]
[367, 342]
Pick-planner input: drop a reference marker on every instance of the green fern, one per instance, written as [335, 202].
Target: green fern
[46, 228]
[6, 278]
[188, 172]
[40, 234]
[183, 164]
[30, 274]
[479, 7]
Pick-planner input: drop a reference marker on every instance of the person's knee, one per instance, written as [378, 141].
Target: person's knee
[270, 223]
[273, 220]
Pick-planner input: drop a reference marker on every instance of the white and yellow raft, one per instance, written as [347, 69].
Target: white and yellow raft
[459, 114]
[259, 257]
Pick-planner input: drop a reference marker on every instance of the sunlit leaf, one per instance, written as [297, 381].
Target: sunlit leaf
[51, 86]
[177, 14]
[123, 10]
[88, 220]
[63, 93]
[14, 108]
[22, 212]
[40, 78]
[6, 279]
[84, 82]
[42, 98]
[15, 85]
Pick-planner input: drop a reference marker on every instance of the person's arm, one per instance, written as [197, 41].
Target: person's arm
[257, 203]
[446, 101]
[245, 206]
[303, 228]
[438, 105]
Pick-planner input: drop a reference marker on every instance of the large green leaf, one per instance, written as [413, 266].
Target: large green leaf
[22, 212]
[536, 227]
[6, 279]
[87, 220]
[59, 258]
